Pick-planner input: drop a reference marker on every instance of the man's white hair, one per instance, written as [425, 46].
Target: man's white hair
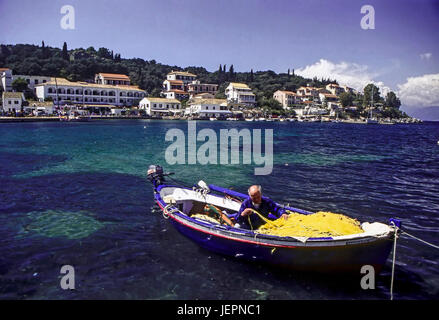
[257, 186]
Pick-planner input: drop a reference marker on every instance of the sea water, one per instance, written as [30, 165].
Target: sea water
[77, 194]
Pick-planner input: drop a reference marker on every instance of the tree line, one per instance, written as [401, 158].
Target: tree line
[82, 64]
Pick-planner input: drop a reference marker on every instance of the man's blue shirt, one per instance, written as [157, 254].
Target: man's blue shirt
[267, 208]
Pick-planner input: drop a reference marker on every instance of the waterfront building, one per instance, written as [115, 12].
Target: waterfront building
[12, 101]
[38, 108]
[183, 85]
[240, 93]
[335, 89]
[308, 93]
[62, 91]
[7, 77]
[328, 97]
[160, 106]
[169, 85]
[176, 94]
[195, 88]
[185, 77]
[112, 79]
[286, 98]
[208, 108]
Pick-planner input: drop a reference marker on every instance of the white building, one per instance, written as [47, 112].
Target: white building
[176, 94]
[240, 93]
[185, 77]
[39, 108]
[209, 108]
[63, 91]
[113, 79]
[196, 87]
[7, 78]
[286, 98]
[335, 89]
[32, 81]
[160, 106]
[12, 101]
[307, 93]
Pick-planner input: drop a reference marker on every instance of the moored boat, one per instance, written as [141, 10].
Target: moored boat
[181, 205]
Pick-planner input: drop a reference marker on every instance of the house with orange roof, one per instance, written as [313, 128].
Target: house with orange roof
[112, 79]
[286, 98]
[62, 91]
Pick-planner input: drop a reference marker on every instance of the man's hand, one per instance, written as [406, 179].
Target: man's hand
[246, 212]
[285, 216]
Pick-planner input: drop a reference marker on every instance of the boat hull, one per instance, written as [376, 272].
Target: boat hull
[325, 256]
[322, 259]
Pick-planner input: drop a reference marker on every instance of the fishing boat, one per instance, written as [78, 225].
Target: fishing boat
[180, 204]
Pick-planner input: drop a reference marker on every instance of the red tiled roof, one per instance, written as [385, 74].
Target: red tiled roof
[115, 76]
[179, 91]
[175, 81]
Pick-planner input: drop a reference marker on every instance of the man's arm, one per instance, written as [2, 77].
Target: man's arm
[275, 209]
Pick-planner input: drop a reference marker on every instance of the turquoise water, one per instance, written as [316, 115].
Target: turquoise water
[77, 194]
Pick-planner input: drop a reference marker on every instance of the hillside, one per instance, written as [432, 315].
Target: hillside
[82, 64]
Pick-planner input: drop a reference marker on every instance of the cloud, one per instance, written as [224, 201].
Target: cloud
[416, 92]
[346, 73]
[426, 56]
[421, 91]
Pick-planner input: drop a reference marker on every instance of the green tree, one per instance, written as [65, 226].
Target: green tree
[346, 99]
[367, 94]
[19, 85]
[392, 101]
[65, 54]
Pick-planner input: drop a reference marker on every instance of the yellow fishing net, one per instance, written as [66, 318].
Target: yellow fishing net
[205, 217]
[319, 224]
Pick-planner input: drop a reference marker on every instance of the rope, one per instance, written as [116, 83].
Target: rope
[423, 241]
[394, 252]
[394, 259]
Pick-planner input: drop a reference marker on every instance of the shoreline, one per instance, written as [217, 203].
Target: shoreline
[100, 118]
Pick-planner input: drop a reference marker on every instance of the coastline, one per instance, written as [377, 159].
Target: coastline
[94, 118]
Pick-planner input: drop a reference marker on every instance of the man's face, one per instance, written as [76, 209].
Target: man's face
[255, 195]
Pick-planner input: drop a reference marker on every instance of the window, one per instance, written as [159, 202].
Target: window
[36, 81]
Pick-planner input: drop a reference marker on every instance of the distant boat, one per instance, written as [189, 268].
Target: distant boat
[249, 119]
[371, 120]
[213, 119]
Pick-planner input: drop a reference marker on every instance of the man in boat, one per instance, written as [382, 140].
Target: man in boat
[246, 218]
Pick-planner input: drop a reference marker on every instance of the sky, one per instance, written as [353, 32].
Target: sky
[322, 38]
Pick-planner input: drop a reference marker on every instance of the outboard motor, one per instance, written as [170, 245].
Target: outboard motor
[156, 175]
